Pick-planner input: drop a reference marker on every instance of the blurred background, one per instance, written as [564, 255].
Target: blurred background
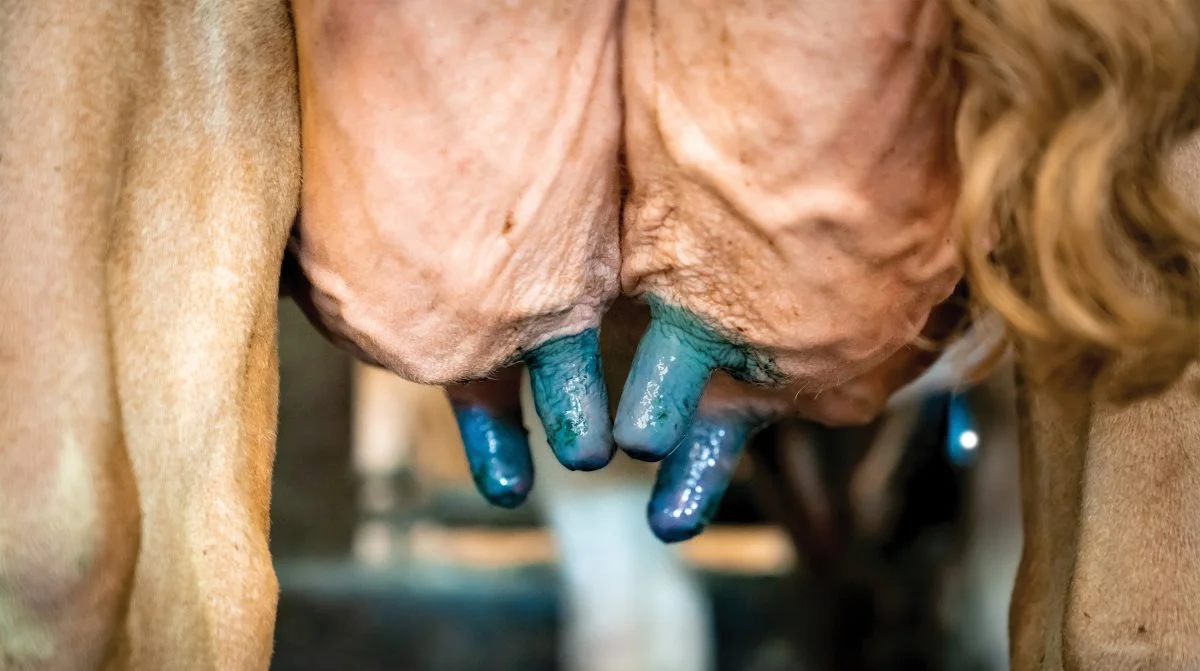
[871, 548]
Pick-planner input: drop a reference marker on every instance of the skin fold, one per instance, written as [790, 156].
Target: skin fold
[785, 226]
[790, 193]
[785, 221]
[460, 208]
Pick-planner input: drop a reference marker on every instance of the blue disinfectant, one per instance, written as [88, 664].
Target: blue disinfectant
[694, 477]
[569, 395]
[673, 363]
[962, 435]
[497, 450]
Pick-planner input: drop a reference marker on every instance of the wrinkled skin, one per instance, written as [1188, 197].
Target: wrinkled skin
[453, 172]
[150, 171]
[791, 188]
[460, 208]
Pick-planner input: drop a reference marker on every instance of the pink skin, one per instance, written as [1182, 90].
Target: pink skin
[461, 189]
[790, 179]
[789, 168]
[460, 206]
[791, 174]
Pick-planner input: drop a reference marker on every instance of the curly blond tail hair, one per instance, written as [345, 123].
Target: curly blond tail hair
[1066, 223]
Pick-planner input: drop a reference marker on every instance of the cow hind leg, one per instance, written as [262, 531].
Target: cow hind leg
[211, 187]
[69, 520]
[1132, 602]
